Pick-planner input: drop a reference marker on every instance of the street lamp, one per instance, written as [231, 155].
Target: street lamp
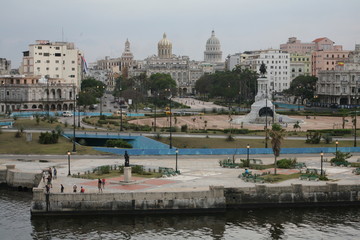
[176, 160]
[78, 105]
[156, 96]
[266, 122]
[248, 153]
[74, 108]
[322, 157]
[170, 113]
[69, 153]
[336, 144]
[121, 118]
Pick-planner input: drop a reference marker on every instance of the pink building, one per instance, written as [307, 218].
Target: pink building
[326, 55]
[296, 46]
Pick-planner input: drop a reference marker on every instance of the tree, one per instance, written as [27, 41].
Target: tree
[161, 81]
[94, 86]
[296, 126]
[302, 87]
[277, 134]
[231, 85]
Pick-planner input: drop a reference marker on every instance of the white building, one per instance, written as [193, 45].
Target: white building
[22, 92]
[54, 60]
[277, 67]
[213, 53]
[183, 70]
[5, 66]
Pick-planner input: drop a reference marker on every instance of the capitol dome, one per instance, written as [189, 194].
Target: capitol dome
[213, 40]
[164, 47]
[213, 53]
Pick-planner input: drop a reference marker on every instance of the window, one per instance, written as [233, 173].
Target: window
[47, 61]
[57, 61]
[38, 61]
[72, 69]
[39, 47]
[57, 54]
[46, 54]
[57, 48]
[73, 62]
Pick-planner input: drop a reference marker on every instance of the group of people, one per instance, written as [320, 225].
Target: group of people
[48, 176]
[101, 184]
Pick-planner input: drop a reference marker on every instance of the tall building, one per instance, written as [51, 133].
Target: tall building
[341, 86]
[326, 55]
[277, 67]
[127, 59]
[5, 66]
[213, 53]
[54, 60]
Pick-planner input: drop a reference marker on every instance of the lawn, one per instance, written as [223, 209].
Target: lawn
[205, 142]
[12, 145]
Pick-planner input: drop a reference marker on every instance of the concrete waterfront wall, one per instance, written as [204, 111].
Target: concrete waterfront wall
[18, 179]
[292, 195]
[127, 203]
[217, 198]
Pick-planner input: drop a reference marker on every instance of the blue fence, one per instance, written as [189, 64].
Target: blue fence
[224, 151]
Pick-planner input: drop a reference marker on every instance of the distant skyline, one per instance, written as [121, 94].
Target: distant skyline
[100, 28]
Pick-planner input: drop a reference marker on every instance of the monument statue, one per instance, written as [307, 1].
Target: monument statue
[262, 69]
[127, 160]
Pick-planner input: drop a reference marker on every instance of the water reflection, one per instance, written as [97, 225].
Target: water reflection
[304, 223]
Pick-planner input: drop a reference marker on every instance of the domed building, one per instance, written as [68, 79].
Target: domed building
[213, 53]
[164, 48]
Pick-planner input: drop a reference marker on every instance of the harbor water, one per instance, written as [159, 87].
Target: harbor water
[286, 223]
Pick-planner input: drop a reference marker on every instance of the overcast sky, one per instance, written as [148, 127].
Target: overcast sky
[99, 28]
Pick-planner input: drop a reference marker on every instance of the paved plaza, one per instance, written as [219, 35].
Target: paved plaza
[197, 172]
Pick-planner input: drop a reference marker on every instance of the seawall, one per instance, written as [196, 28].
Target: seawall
[15, 178]
[127, 203]
[216, 199]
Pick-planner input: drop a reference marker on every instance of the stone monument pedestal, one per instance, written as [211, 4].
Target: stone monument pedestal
[127, 175]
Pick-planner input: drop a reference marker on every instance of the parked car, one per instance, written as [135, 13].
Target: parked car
[67, 114]
[147, 108]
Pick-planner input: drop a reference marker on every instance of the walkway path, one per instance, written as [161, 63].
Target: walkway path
[198, 173]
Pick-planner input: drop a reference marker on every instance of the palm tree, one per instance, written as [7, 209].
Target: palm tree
[277, 134]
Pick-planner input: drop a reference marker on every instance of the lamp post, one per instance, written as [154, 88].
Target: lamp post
[248, 153]
[156, 96]
[321, 156]
[78, 105]
[266, 122]
[69, 153]
[170, 113]
[355, 121]
[176, 160]
[336, 146]
[74, 134]
[121, 118]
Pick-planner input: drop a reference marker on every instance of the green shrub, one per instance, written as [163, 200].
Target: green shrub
[137, 169]
[117, 143]
[313, 138]
[340, 156]
[184, 128]
[236, 131]
[103, 170]
[286, 163]
[48, 138]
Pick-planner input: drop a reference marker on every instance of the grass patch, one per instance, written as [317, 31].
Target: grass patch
[280, 177]
[11, 145]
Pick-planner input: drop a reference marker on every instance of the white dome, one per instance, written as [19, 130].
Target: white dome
[164, 41]
[213, 40]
